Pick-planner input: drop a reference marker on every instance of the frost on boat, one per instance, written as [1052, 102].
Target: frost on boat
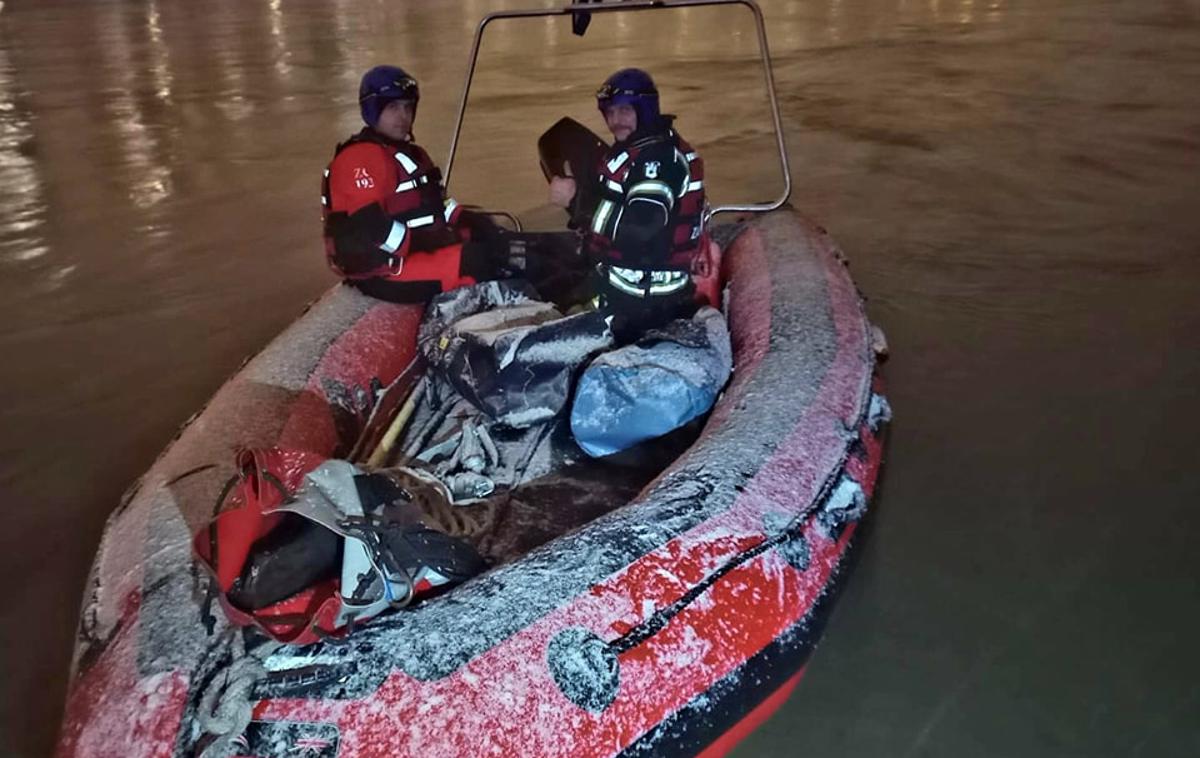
[658, 602]
[655, 626]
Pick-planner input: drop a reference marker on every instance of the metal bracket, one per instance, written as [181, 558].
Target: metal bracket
[579, 27]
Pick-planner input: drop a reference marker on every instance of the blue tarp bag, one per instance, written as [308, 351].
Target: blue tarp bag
[664, 380]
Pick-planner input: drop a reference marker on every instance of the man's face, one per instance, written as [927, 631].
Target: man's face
[621, 120]
[396, 120]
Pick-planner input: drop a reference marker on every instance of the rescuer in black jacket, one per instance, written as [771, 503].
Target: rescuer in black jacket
[646, 232]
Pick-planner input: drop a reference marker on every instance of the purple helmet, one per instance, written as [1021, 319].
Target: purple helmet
[380, 86]
[631, 86]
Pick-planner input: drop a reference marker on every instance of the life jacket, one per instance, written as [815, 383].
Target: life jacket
[411, 194]
[679, 247]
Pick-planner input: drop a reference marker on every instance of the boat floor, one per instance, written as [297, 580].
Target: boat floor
[558, 487]
[549, 506]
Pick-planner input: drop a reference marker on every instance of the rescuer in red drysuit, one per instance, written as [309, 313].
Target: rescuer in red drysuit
[646, 235]
[390, 230]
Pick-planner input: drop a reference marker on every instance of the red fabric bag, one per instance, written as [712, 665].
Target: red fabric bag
[266, 479]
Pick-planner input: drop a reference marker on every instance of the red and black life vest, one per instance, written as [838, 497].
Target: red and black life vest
[409, 191]
[678, 247]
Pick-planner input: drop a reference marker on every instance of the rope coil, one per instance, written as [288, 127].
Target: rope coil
[226, 706]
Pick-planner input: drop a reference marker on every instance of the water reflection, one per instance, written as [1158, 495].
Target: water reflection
[349, 69]
[21, 192]
[231, 56]
[966, 11]
[797, 26]
[149, 178]
[283, 54]
[160, 68]
[833, 27]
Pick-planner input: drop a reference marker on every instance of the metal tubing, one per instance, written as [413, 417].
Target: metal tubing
[642, 5]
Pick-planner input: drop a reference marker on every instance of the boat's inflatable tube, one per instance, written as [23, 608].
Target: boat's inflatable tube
[670, 626]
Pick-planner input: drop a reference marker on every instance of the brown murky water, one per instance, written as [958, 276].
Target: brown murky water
[1017, 183]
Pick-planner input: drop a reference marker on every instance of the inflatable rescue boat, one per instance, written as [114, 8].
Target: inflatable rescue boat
[670, 623]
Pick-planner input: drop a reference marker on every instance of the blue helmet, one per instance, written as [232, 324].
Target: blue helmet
[380, 86]
[631, 86]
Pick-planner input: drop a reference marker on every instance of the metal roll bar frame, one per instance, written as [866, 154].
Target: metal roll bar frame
[641, 5]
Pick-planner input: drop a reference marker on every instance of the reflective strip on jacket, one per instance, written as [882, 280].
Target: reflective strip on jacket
[658, 171]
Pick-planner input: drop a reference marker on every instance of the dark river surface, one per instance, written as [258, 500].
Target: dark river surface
[1016, 184]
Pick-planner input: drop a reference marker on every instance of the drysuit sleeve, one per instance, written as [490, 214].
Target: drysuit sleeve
[365, 238]
[652, 190]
